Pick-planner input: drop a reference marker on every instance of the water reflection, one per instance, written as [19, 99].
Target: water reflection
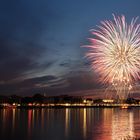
[4, 116]
[29, 122]
[69, 124]
[122, 124]
[42, 119]
[13, 119]
[67, 121]
[84, 122]
[33, 116]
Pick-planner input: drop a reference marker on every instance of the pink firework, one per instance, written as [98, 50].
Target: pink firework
[115, 53]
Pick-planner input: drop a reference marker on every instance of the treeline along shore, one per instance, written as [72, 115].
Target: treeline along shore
[62, 101]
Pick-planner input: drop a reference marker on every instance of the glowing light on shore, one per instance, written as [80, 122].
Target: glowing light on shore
[115, 54]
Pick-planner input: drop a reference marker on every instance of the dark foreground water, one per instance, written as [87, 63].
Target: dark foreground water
[69, 124]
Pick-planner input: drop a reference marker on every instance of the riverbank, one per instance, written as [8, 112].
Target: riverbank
[123, 106]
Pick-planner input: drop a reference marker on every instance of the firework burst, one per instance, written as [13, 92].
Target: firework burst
[115, 53]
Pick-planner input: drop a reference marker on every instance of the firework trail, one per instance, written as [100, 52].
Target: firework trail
[115, 53]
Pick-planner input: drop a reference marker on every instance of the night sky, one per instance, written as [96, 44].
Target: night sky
[40, 44]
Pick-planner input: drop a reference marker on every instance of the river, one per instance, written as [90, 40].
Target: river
[69, 124]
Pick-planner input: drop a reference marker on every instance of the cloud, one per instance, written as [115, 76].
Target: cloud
[21, 49]
[46, 78]
[64, 64]
[15, 60]
[28, 86]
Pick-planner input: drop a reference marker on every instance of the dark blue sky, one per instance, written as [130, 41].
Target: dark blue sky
[40, 43]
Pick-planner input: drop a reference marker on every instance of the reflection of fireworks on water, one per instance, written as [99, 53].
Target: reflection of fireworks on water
[115, 53]
[122, 125]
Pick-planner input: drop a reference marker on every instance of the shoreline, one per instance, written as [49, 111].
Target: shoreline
[123, 106]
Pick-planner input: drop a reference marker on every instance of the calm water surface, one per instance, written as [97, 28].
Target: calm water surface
[69, 124]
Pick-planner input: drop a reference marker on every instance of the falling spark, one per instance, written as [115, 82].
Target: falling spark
[115, 53]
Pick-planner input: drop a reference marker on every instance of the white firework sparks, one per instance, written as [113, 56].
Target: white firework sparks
[115, 53]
